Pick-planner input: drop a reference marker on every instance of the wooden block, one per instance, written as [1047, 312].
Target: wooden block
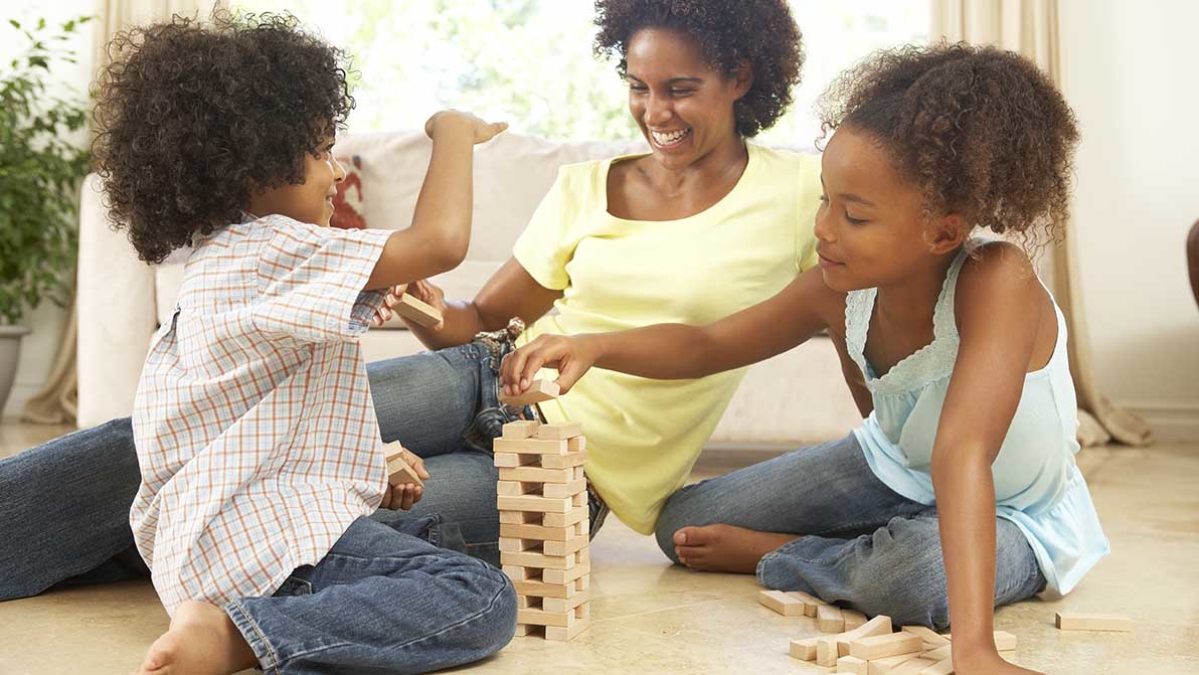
[942, 667]
[882, 646]
[543, 590]
[939, 654]
[534, 558]
[570, 489]
[826, 651]
[539, 532]
[1085, 621]
[523, 629]
[832, 647]
[851, 664]
[1004, 641]
[417, 311]
[399, 465]
[582, 583]
[564, 548]
[555, 634]
[804, 650]
[829, 619]
[515, 489]
[520, 429]
[521, 518]
[560, 431]
[537, 474]
[912, 666]
[512, 545]
[538, 617]
[523, 574]
[574, 515]
[529, 446]
[781, 602]
[538, 391]
[928, 635]
[579, 500]
[509, 460]
[881, 666]
[566, 604]
[568, 461]
[853, 619]
[556, 576]
[811, 602]
[538, 504]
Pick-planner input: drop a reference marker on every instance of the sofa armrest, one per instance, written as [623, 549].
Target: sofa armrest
[115, 312]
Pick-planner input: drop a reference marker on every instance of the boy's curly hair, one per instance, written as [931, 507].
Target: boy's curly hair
[761, 32]
[192, 118]
[982, 132]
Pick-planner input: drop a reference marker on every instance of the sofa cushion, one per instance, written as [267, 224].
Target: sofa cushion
[348, 203]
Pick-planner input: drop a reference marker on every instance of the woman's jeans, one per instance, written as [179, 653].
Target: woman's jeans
[861, 543]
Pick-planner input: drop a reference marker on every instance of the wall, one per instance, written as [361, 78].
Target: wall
[1130, 73]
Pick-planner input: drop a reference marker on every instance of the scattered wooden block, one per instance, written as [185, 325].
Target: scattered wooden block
[942, 667]
[830, 648]
[882, 646]
[939, 654]
[928, 635]
[852, 664]
[1085, 621]
[804, 649]
[811, 602]
[781, 602]
[881, 666]
[912, 666]
[853, 619]
[529, 446]
[520, 429]
[827, 652]
[538, 391]
[560, 431]
[830, 619]
[417, 311]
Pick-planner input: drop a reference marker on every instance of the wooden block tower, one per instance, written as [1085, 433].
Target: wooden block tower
[545, 526]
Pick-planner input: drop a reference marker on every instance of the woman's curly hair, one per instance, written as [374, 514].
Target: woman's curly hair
[981, 131]
[192, 118]
[761, 32]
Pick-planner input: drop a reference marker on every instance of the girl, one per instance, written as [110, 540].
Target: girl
[258, 446]
[959, 492]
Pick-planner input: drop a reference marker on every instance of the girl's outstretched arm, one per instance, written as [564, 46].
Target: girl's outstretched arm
[999, 307]
[677, 351]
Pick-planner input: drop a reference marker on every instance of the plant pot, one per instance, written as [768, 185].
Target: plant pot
[10, 354]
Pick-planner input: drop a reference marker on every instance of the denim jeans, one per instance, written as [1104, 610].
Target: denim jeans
[64, 505]
[384, 600]
[861, 544]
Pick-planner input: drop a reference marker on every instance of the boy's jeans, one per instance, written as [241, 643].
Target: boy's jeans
[384, 600]
[861, 544]
[64, 505]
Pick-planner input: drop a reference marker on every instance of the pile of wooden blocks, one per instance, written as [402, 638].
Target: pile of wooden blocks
[545, 526]
[853, 644]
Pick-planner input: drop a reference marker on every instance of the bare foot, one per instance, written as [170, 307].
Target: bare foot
[725, 548]
[202, 640]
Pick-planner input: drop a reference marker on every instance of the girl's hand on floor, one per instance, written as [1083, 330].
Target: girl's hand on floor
[571, 356]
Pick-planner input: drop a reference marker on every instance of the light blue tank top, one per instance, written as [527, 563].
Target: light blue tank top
[1038, 486]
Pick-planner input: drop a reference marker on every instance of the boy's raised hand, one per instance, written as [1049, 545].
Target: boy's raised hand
[453, 119]
[571, 356]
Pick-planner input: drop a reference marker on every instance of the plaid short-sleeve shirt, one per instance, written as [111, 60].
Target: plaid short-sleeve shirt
[253, 421]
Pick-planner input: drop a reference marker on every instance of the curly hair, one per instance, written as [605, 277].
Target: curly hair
[192, 118]
[761, 32]
[981, 131]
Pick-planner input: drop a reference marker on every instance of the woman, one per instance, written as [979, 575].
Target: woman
[687, 233]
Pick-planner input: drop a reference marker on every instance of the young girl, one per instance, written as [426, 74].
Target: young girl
[959, 492]
[258, 445]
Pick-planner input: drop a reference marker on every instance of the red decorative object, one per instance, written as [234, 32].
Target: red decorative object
[348, 203]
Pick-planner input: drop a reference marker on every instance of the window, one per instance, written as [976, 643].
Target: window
[530, 62]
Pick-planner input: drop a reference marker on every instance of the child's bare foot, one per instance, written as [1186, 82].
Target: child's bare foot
[202, 640]
[725, 548]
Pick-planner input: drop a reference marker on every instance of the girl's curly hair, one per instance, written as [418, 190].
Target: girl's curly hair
[192, 118]
[982, 132]
[761, 32]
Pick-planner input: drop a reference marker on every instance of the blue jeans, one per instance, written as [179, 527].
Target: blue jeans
[861, 544]
[384, 600]
[64, 505]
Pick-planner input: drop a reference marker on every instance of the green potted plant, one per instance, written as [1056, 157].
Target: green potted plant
[40, 171]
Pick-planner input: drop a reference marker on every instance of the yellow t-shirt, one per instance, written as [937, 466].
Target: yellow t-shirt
[643, 436]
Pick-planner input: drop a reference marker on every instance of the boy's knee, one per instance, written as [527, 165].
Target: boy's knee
[664, 534]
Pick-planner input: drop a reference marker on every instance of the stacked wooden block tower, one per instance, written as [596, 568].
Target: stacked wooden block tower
[545, 525]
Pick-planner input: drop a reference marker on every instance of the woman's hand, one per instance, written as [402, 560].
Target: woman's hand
[383, 314]
[480, 130]
[430, 294]
[571, 356]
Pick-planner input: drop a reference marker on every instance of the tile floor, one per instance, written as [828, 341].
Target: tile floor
[649, 617]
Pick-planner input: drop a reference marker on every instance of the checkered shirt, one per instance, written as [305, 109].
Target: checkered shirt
[253, 421]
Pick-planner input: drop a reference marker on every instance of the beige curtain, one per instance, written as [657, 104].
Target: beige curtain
[56, 402]
[1030, 27]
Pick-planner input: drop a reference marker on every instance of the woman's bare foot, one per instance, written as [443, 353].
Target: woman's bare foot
[202, 640]
[725, 548]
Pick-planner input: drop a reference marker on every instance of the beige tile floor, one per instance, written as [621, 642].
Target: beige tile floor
[649, 617]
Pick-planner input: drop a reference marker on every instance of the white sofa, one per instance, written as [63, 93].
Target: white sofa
[794, 398]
